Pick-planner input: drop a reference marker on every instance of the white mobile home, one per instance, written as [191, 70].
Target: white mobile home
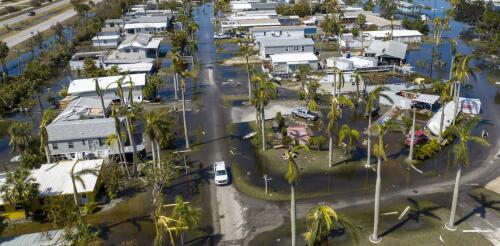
[404, 36]
[278, 31]
[86, 87]
[287, 63]
[272, 46]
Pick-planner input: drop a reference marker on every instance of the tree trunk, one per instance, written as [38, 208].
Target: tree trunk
[249, 82]
[75, 192]
[121, 150]
[369, 149]
[39, 102]
[451, 223]
[441, 125]
[263, 129]
[412, 139]
[186, 137]
[330, 152]
[153, 150]
[292, 214]
[130, 133]
[158, 152]
[376, 211]
[102, 106]
[47, 153]
[457, 101]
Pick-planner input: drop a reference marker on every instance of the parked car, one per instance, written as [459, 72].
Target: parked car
[220, 172]
[305, 113]
[31, 13]
[220, 36]
[420, 138]
[332, 38]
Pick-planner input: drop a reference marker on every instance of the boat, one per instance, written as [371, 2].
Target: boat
[449, 115]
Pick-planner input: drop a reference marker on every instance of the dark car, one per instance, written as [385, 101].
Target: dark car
[31, 13]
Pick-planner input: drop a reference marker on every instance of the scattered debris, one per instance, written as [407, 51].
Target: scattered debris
[249, 135]
[389, 213]
[441, 239]
[404, 212]
[478, 231]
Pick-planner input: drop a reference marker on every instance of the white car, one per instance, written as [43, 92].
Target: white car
[220, 172]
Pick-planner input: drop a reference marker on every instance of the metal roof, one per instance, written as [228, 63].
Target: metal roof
[88, 85]
[276, 28]
[277, 42]
[387, 48]
[294, 57]
[81, 129]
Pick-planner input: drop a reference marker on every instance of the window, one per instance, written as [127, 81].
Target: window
[83, 141]
[101, 142]
[135, 50]
[302, 48]
[286, 48]
[127, 50]
[70, 144]
[54, 146]
[84, 196]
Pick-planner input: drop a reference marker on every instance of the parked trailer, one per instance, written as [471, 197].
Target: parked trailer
[449, 114]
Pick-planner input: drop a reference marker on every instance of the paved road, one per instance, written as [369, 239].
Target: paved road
[39, 11]
[43, 26]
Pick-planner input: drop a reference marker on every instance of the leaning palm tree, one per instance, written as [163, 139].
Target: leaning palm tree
[188, 217]
[379, 151]
[47, 117]
[334, 115]
[119, 139]
[264, 91]
[165, 225]
[156, 128]
[352, 136]
[292, 175]
[100, 95]
[247, 51]
[461, 150]
[322, 219]
[358, 79]
[371, 100]
[184, 75]
[78, 176]
[461, 73]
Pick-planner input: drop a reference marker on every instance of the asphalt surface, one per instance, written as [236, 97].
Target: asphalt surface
[43, 26]
[39, 11]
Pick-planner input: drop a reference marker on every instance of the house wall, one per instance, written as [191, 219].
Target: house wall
[146, 30]
[113, 94]
[82, 147]
[285, 68]
[267, 51]
[278, 33]
[105, 43]
[403, 39]
[134, 51]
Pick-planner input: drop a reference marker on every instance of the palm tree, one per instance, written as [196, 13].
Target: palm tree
[322, 219]
[47, 117]
[165, 225]
[461, 72]
[334, 115]
[20, 136]
[78, 176]
[36, 75]
[371, 99]
[188, 217]
[442, 88]
[361, 23]
[100, 95]
[4, 52]
[358, 79]
[184, 74]
[247, 51]
[379, 151]
[312, 91]
[352, 136]
[461, 151]
[119, 139]
[302, 73]
[412, 134]
[264, 91]
[20, 187]
[341, 81]
[156, 128]
[292, 175]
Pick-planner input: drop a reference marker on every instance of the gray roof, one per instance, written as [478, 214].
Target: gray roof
[263, 5]
[387, 48]
[278, 42]
[276, 28]
[148, 19]
[83, 106]
[405, 4]
[114, 21]
[81, 129]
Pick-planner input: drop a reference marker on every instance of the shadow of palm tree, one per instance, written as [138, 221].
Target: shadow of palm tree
[416, 211]
[484, 203]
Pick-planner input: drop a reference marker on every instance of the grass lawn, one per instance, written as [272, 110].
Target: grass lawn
[418, 229]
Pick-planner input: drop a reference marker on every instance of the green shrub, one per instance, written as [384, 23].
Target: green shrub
[427, 150]
[315, 142]
[89, 208]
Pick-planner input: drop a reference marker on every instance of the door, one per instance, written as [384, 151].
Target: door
[85, 198]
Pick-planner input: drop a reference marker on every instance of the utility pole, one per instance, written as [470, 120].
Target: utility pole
[265, 182]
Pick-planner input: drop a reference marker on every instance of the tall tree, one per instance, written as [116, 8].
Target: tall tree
[247, 51]
[292, 175]
[4, 52]
[264, 92]
[156, 128]
[461, 73]
[120, 139]
[184, 75]
[461, 151]
[312, 92]
[188, 217]
[442, 88]
[361, 23]
[36, 75]
[47, 118]
[20, 136]
[371, 100]
[20, 188]
[78, 176]
[334, 115]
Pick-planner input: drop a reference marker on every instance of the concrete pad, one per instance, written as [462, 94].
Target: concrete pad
[494, 185]
[247, 113]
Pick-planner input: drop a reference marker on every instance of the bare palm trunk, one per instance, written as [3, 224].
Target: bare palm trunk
[451, 223]
[186, 137]
[158, 152]
[263, 129]
[102, 106]
[249, 82]
[457, 101]
[130, 133]
[330, 152]
[123, 158]
[412, 139]
[75, 192]
[441, 125]
[369, 149]
[153, 151]
[292, 214]
[47, 153]
[374, 237]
